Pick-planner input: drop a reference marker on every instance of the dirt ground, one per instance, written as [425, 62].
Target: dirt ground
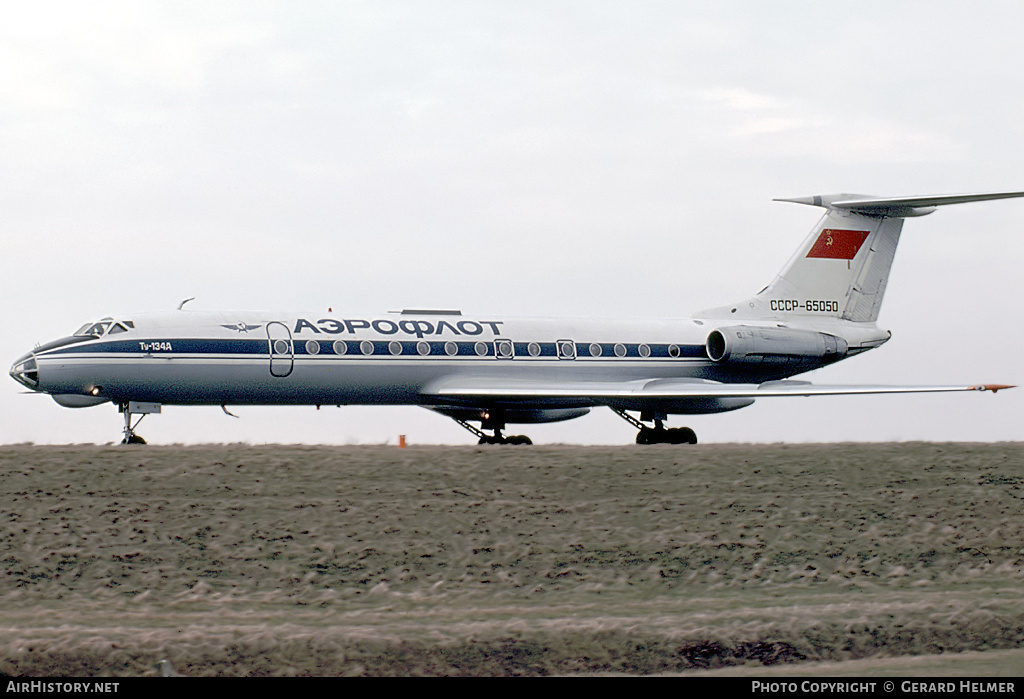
[296, 560]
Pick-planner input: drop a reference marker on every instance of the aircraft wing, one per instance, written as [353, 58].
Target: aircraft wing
[508, 389]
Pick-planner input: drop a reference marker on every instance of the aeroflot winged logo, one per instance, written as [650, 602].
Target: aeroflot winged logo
[838, 244]
[242, 327]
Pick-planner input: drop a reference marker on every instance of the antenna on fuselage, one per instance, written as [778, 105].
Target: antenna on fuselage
[182, 304]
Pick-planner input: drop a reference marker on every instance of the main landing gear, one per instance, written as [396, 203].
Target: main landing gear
[491, 421]
[657, 434]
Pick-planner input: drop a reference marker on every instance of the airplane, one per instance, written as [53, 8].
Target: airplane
[820, 309]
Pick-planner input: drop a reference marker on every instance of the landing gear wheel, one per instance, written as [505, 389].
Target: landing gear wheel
[677, 435]
[133, 439]
[682, 435]
[498, 439]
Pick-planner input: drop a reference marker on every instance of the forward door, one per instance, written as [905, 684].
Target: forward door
[282, 349]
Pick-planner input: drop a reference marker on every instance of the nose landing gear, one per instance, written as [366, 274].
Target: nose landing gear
[141, 409]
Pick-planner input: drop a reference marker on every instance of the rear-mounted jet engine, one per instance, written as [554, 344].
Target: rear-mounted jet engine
[755, 345]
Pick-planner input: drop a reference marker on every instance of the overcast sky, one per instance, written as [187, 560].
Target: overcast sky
[590, 158]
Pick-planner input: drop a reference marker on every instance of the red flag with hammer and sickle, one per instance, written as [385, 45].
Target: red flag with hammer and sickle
[838, 244]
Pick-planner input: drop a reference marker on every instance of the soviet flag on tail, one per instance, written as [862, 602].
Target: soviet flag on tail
[838, 244]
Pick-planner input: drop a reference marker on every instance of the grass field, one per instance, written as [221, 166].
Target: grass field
[243, 560]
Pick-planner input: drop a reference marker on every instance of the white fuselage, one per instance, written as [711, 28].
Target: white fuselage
[193, 358]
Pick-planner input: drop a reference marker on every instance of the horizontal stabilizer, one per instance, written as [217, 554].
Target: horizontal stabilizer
[896, 206]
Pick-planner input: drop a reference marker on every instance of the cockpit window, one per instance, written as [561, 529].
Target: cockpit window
[100, 328]
[92, 329]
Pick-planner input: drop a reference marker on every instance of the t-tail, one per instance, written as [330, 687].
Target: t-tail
[841, 270]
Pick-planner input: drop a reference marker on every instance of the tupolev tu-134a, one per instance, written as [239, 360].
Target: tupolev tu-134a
[821, 308]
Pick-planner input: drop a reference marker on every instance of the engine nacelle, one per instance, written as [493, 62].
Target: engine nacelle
[744, 344]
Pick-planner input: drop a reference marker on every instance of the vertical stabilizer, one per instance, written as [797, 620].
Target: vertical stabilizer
[841, 270]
